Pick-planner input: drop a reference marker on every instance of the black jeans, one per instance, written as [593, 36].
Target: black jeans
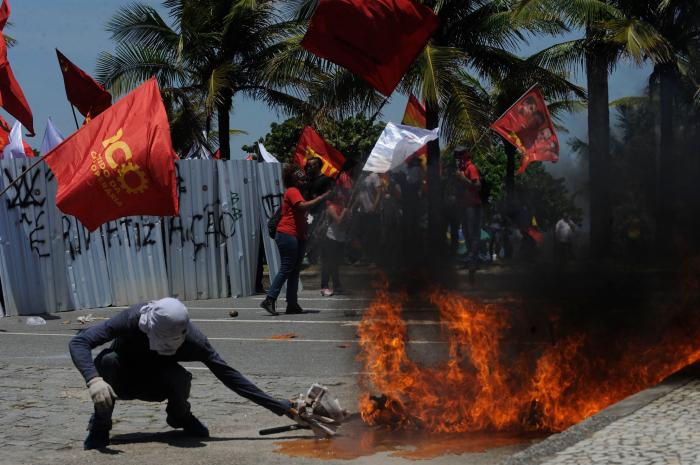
[331, 258]
[152, 383]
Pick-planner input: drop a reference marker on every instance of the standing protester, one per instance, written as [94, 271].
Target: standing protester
[468, 174]
[148, 341]
[334, 245]
[563, 240]
[452, 213]
[291, 240]
[316, 185]
[367, 219]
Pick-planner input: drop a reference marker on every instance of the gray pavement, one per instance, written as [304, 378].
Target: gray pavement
[44, 406]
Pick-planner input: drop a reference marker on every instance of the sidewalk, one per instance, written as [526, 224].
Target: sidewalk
[660, 425]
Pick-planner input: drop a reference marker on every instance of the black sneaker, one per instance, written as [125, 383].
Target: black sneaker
[191, 426]
[294, 309]
[269, 305]
[96, 439]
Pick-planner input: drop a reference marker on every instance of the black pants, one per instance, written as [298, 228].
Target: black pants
[331, 259]
[152, 383]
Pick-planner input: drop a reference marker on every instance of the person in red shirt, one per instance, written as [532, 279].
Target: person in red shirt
[470, 204]
[290, 240]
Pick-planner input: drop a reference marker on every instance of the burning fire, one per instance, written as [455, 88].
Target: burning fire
[546, 388]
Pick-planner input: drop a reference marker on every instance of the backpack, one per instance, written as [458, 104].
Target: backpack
[274, 221]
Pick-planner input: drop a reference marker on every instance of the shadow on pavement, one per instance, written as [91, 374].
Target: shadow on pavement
[179, 439]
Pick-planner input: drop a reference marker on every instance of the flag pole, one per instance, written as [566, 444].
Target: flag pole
[74, 117]
[24, 173]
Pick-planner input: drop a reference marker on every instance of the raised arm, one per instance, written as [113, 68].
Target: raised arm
[308, 204]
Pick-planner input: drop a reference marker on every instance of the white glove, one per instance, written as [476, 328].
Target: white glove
[102, 393]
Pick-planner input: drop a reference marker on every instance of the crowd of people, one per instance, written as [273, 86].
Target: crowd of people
[382, 219]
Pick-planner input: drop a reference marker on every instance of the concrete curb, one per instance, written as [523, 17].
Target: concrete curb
[556, 443]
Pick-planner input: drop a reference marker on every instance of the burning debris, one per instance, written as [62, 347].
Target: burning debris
[318, 411]
[545, 388]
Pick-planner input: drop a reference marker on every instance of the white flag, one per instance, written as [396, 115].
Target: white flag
[51, 138]
[267, 156]
[395, 145]
[14, 147]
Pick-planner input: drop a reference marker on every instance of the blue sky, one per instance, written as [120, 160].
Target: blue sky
[76, 27]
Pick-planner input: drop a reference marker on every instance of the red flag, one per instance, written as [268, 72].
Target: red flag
[312, 145]
[5, 129]
[217, 155]
[88, 96]
[120, 164]
[375, 39]
[415, 116]
[528, 126]
[11, 96]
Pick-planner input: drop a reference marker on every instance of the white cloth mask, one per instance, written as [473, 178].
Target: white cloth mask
[165, 322]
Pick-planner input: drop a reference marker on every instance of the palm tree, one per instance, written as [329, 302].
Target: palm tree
[211, 51]
[470, 51]
[470, 46]
[611, 33]
[678, 23]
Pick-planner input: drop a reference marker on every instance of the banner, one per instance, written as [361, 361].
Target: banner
[528, 126]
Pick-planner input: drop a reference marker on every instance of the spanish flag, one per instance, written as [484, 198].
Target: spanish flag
[311, 145]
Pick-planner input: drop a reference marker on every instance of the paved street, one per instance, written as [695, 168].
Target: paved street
[44, 406]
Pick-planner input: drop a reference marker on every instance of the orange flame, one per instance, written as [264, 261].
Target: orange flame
[475, 389]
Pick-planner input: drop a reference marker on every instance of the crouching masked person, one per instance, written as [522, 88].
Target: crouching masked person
[142, 363]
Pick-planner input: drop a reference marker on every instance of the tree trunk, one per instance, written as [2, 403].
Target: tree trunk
[666, 161]
[223, 111]
[599, 153]
[434, 182]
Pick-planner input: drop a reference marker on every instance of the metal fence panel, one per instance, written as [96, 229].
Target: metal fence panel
[135, 259]
[196, 239]
[270, 194]
[85, 264]
[29, 232]
[240, 223]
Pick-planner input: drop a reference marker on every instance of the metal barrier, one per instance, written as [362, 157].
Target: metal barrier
[49, 262]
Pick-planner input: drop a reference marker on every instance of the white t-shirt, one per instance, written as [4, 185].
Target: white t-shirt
[563, 231]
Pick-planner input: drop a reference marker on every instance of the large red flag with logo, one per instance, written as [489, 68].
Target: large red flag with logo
[121, 164]
[312, 145]
[415, 116]
[11, 96]
[375, 39]
[528, 126]
[88, 96]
